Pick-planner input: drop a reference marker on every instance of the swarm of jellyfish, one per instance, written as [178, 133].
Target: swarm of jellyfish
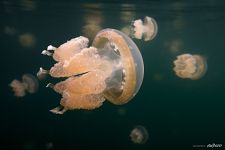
[28, 84]
[139, 135]
[112, 68]
[190, 66]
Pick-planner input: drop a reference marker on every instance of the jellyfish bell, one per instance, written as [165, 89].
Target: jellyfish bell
[130, 74]
[139, 135]
[190, 66]
[146, 30]
[112, 68]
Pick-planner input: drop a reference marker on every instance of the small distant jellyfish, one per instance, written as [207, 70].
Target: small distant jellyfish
[174, 45]
[49, 146]
[28, 84]
[111, 69]
[146, 30]
[127, 12]
[122, 111]
[93, 21]
[90, 30]
[190, 66]
[28, 5]
[9, 30]
[139, 135]
[27, 40]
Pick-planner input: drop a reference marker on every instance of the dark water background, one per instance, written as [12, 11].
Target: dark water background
[178, 113]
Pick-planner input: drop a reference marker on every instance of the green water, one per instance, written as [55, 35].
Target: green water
[178, 113]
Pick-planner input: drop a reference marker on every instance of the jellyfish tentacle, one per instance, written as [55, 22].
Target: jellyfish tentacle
[51, 48]
[59, 110]
[50, 85]
[42, 73]
[45, 52]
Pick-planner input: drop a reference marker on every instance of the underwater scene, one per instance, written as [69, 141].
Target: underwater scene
[112, 74]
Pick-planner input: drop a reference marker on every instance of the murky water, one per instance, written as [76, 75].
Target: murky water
[177, 113]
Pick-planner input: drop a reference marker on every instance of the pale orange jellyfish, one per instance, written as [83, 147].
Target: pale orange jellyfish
[93, 21]
[27, 40]
[139, 135]
[190, 66]
[112, 68]
[146, 30]
[28, 84]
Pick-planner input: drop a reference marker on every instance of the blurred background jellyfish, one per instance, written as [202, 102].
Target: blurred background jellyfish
[28, 84]
[49, 146]
[28, 5]
[190, 66]
[146, 30]
[122, 111]
[93, 20]
[10, 30]
[27, 40]
[127, 13]
[139, 135]
[112, 68]
[174, 45]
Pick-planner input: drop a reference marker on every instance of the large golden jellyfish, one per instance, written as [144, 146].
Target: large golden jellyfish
[190, 66]
[112, 68]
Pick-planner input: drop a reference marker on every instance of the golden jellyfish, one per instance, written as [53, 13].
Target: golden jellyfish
[111, 69]
[190, 66]
[27, 40]
[28, 84]
[146, 30]
[139, 135]
[93, 21]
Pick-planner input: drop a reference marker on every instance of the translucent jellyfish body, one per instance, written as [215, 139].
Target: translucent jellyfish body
[190, 66]
[28, 84]
[139, 135]
[112, 68]
[146, 30]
